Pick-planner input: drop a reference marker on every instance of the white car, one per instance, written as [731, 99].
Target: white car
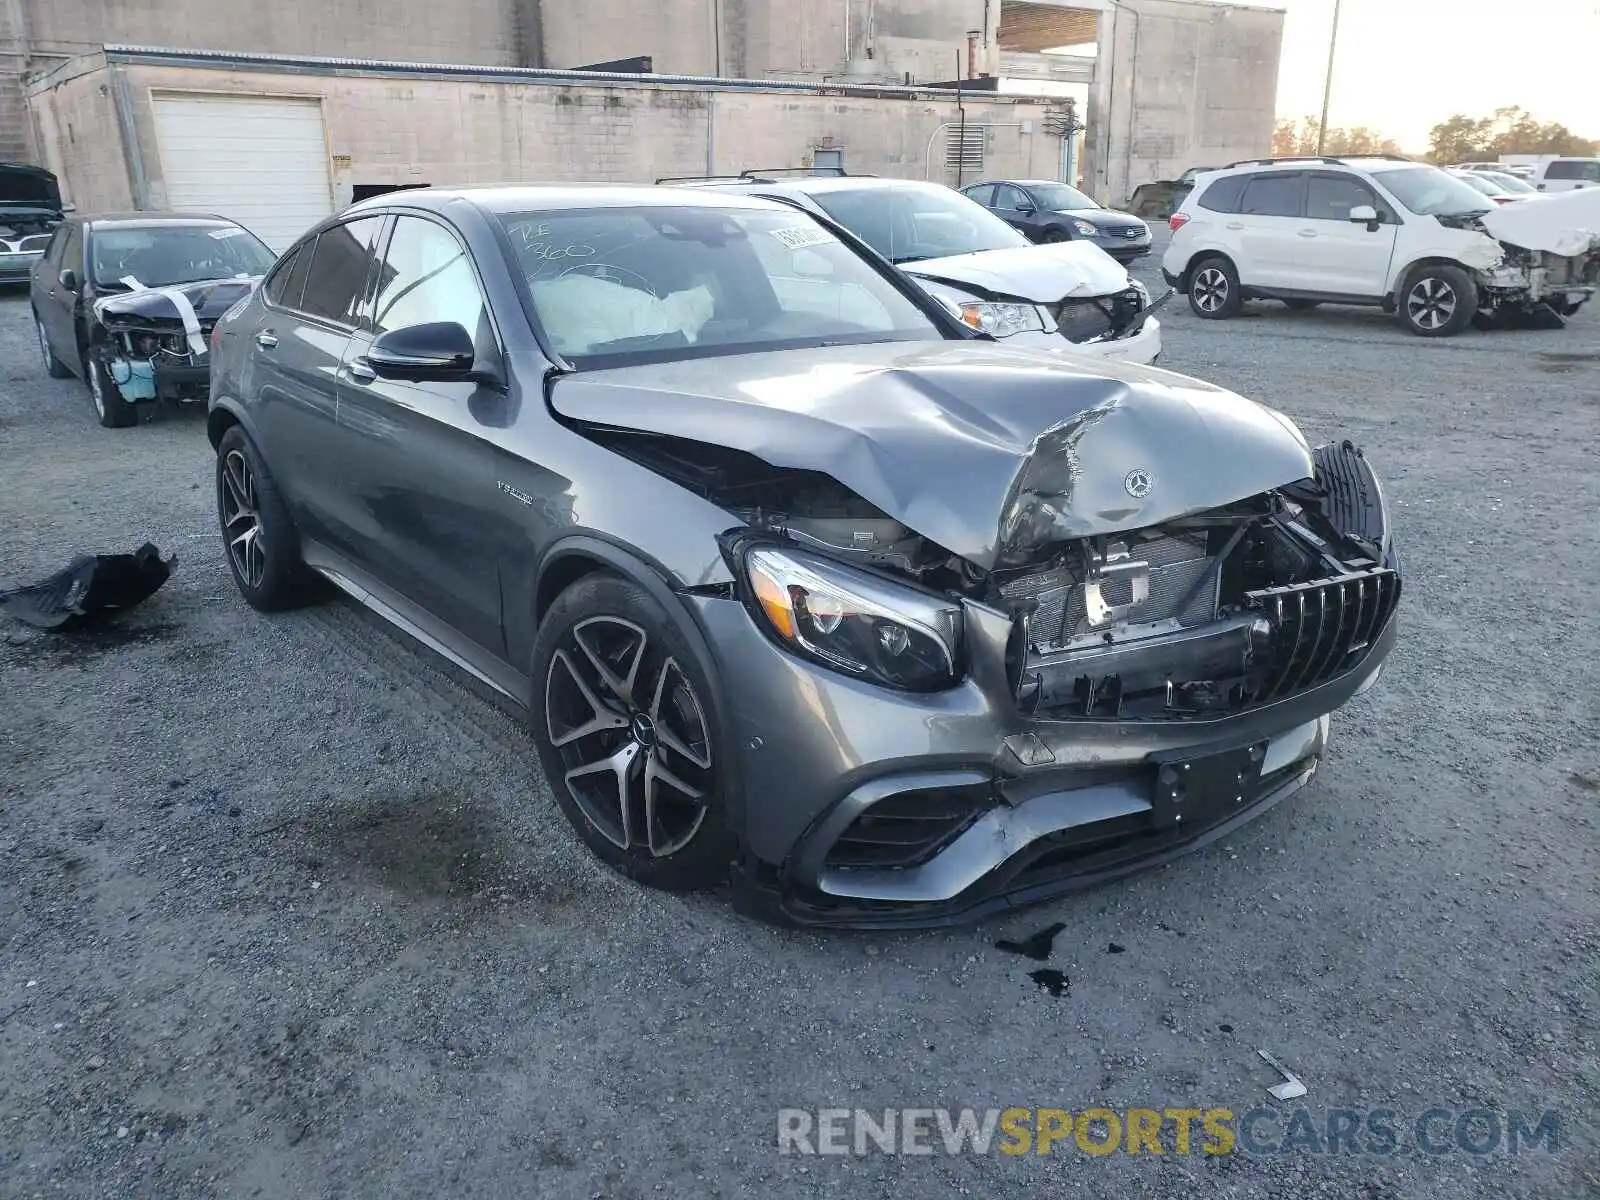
[1067, 296]
[1566, 174]
[1401, 235]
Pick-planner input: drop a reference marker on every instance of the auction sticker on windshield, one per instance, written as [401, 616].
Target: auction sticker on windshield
[798, 237]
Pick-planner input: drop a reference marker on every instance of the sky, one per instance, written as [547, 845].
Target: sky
[1405, 65]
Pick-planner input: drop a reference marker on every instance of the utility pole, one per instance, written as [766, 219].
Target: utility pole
[1327, 83]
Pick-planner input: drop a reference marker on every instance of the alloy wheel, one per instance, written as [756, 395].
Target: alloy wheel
[632, 734]
[241, 519]
[1431, 303]
[1210, 290]
[96, 387]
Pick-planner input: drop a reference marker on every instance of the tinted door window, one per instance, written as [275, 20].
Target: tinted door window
[1009, 197]
[336, 280]
[72, 251]
[1331, 197]
[1225, 194]
[983, 194]
[426, 276]
[1274, 195]
[288, 280]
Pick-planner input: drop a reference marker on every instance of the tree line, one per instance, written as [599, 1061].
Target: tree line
[1460, 138]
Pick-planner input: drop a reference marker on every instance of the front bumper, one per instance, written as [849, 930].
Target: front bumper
[1143, 347]
[1071, 803]
[18, 268]
[1124, 249]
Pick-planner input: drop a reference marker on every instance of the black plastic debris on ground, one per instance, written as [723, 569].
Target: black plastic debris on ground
[92, 588]
[1051, 980]
[1036, 947]
[1113, 948]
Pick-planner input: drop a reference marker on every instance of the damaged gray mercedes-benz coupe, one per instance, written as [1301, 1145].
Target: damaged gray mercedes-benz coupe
[799, 582]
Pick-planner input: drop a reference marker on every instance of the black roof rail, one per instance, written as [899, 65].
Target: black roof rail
[702, 179]
[754, 171]
[1284, 158]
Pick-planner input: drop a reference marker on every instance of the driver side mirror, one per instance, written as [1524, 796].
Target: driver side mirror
[69, 280]
[437, 352]
[1365, 214]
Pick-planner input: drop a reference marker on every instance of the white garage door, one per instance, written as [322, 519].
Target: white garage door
[263, 163]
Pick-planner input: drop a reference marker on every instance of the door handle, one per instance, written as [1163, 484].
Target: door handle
[1235, 224]
[1308, 233]
[266, 339]
[360, 371]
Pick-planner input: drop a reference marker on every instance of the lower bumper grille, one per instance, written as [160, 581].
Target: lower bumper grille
[906, 829]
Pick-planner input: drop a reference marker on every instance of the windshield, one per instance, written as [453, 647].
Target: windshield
[915, 221]
[1430, 192]
[617, 286]
[1479, 183]
[164, 255]
[1058, 197]
[1510, 182]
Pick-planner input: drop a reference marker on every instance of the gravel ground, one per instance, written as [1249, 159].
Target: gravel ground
[286, 910]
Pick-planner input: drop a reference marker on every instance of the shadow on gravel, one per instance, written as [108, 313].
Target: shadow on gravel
[431, 846]
[75, 648]
[1552, 363]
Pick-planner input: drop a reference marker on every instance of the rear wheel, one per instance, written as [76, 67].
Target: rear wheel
[114, 412]
[628, 735]
[1214, 290]
[1438, 301]
[53, 366]
[257, 531]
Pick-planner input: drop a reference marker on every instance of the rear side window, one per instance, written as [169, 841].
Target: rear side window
[983, 194]
[336, 281]
[1274, 195]
[1573, 168]
[288, 279]
[1223, 195]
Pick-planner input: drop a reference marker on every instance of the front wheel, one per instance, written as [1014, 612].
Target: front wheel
[1053, 235]
[1438, 301]
[628, 735]
[114, 412]
[1214, 290]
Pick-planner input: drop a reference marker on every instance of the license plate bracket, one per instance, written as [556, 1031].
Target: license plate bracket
[1201, 790]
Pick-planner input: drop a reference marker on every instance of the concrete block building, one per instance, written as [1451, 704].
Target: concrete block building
[318, 102]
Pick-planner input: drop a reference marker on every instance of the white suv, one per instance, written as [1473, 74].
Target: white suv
[1402, 235]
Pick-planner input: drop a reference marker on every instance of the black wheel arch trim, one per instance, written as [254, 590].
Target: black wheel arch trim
[653, 577]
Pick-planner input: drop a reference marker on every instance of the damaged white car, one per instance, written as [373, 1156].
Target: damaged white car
[1404, 236]
[1070, 296]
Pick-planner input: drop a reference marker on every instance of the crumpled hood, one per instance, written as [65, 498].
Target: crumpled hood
[966, 443]
[206, 301]
[1039, 274]
[1567, 223]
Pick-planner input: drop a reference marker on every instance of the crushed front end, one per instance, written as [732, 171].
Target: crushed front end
[154, 342]
[1127, 698]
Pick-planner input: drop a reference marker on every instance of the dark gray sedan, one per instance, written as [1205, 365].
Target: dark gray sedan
[794, 577]
[1047, 211]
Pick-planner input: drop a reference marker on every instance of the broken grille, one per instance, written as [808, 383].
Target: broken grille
[1322, 628]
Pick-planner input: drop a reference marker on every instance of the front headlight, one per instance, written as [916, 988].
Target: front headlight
[856, 623]
[1001, 320]
[1142, 292]
[1084, 228]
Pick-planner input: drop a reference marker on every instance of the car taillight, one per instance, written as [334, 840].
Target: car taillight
[1177, 221]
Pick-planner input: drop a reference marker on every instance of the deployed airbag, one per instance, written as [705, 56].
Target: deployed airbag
[583, 313]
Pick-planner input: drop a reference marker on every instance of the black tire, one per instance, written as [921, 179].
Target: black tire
[53, 366]
[1302, 305]
[267, 568]
[112, 410]
[1437, 300]
[1055, 234]
[1214, 290]
[656, 736]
